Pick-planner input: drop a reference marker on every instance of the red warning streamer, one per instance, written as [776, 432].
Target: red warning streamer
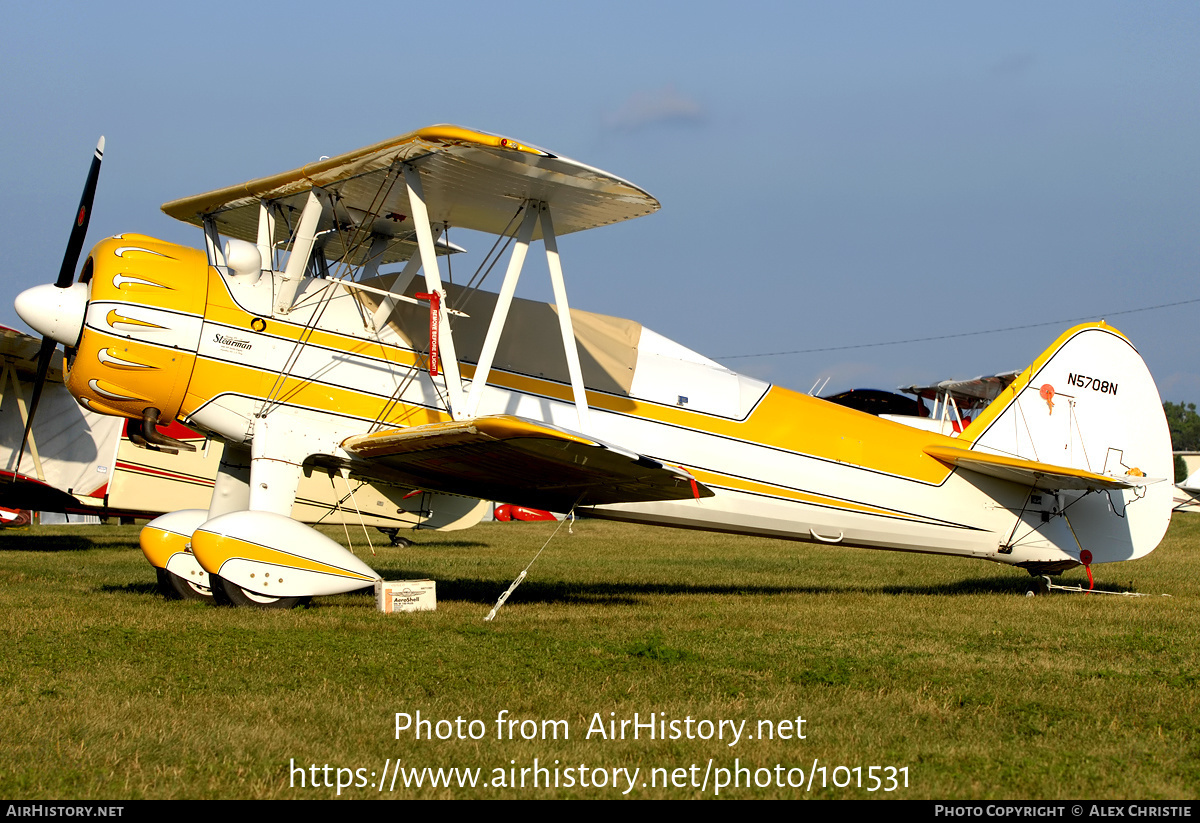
[692, 480]
[435, 302]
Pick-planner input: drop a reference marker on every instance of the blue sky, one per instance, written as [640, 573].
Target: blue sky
[831, 174]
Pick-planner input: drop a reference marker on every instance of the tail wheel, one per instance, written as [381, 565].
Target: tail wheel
[231, 594]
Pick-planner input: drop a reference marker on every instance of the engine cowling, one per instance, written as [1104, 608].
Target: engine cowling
[142, 326]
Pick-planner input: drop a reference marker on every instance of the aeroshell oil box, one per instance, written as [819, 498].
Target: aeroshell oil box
[405, 596]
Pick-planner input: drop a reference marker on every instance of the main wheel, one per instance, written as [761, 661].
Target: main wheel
[231, 594]
[394, 536]
[174, 587]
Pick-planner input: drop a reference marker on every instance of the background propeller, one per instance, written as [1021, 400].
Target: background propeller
[66, 276]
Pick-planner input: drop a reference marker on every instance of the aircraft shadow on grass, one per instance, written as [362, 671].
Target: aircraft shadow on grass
[40, 543]
[149, 588]
[475, 590]
[485, 592]
[451, 544]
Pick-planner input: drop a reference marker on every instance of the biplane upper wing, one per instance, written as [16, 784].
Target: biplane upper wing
[986, 387]
[511, 459]
[471, 180]
[1044, 476]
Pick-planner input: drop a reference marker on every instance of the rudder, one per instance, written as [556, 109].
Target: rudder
[1089, 402]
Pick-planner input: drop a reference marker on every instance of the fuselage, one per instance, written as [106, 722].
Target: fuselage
[205, 346]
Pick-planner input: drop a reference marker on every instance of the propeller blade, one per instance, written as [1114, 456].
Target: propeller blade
[45, 355]
[66, 275]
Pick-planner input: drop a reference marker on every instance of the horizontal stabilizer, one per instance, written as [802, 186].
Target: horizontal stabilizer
[1044, 476]
[513, 460]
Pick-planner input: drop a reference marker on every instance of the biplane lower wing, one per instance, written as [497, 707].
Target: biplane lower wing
[510, 459]
[1044, 476]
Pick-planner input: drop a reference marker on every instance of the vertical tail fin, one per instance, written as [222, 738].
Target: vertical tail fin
[1089, 402]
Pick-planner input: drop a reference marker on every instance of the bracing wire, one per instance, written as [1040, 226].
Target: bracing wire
[960, 334]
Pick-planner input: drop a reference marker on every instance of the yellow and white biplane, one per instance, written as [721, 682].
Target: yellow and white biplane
[285, 339]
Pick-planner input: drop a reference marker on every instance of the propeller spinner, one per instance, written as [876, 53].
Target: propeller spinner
[57, 311]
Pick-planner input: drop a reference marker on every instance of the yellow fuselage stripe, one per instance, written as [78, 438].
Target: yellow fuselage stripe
[783, 419]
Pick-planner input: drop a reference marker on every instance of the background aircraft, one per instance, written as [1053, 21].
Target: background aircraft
[1187, 494]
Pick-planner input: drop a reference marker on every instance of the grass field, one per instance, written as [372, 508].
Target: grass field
[939, 667]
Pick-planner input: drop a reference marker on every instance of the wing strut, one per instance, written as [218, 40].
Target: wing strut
[266, 235]
[433, 283]
[500, 314]
[212, 242]
[302, 247]
[564, 318]
[534, 211]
